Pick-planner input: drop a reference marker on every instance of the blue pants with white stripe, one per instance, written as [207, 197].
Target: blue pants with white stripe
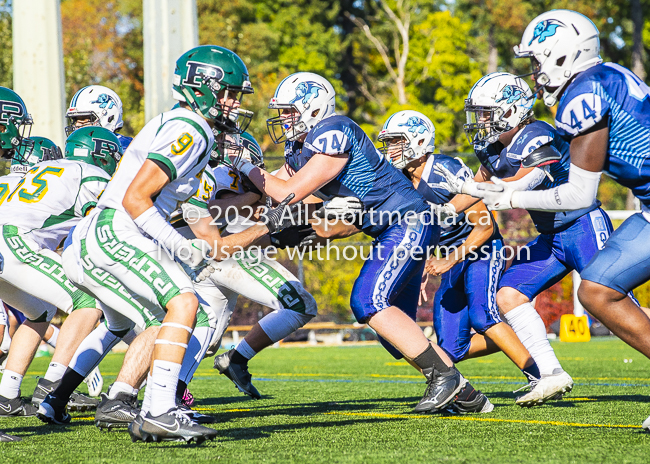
[466, 300]
[552, 256]
[397, 257]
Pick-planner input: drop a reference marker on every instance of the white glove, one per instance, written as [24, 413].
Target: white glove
[342, 207]
[193, 252]
[206, 272]
[243, 165]
[445, 213]
[496, 196]
[456, 184]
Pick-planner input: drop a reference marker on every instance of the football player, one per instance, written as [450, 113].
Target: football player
[528, 154]
[96, 105]
[603, 113]
[36, 216]
[471, 261]
[251, 275]
[330, 155]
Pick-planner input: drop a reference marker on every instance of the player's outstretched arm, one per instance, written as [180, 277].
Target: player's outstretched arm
[224, 247]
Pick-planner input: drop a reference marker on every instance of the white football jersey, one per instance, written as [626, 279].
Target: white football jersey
[51, 199]
[8, 183]
[179, 141]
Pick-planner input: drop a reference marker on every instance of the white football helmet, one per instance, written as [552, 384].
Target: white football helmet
[311, 95]
[497, 103]
[560, 44]
[416, 134]
[98, 103]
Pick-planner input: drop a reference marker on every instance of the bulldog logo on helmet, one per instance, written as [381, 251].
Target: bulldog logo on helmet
[105, 100]
[307, 91]
[544, 30]
[415, 125]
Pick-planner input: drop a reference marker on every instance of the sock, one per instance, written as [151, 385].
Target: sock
[245, 351]
[530, 329]
[196, 348]
[10, 384]
[164, 379]
[93, 349]
[69, 382]
[121, 387]
[429, 358]
[146, 402]
[531, 372]
[55, 371]
[54, 337]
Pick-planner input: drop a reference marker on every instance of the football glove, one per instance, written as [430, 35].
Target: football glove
[292, 236]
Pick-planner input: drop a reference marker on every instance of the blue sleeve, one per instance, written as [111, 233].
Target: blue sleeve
[330, 138]
[581, 108]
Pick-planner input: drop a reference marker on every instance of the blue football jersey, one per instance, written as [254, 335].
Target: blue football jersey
[435, 189]
[124, 141]
[503, 162]
[612, 91]
[366, 176]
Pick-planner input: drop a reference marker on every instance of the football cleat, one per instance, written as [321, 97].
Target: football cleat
[548, 387]
[441, 389]
[53, 411]
[95, 382]
[134, 428]
[197, 416]
[477, 402]
[646, 424]
[81, 402]
[4, 437]
[16, 407]
[174, 425]
[43, 388]
[117, 412]
[237, 373]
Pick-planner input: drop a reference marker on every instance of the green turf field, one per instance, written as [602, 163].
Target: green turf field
[353, 404]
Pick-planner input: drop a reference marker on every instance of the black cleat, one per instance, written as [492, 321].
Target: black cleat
[174, 426]
[118, 412]
[196, 416]
[4, 437]
[474, 402]
[16, 407]
[80, 402]
[53, 411]
[134, 428]
[238, 373]
[43, 388]
[441, 389]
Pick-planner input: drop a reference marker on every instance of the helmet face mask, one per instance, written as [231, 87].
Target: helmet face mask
[212, 81]
[497, 103]
[406, 136]
[94, 105]
[227, 146]
[303, 100]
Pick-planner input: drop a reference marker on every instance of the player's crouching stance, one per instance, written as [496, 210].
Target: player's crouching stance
[250, 274]
[471, 261]
[330, 155]
[51, 198]
[129, 236]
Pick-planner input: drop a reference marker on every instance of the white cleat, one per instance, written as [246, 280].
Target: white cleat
[95, 382]
[646, 424]
[549, 387]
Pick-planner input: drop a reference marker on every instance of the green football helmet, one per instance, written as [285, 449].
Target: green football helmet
[15, 122]
[34, 150]
[252, 150]
[94, 145]
[201, 74]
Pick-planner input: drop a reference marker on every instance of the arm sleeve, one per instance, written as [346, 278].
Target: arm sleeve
[529, 181]
[579, 192]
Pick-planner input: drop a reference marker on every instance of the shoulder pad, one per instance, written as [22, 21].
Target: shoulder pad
[541, 157]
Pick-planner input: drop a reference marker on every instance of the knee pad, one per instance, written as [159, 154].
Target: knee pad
[282, 322]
